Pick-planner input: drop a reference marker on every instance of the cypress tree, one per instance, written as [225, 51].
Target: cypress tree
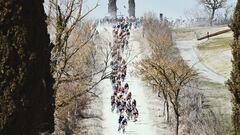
[234, 81]
[26, 94]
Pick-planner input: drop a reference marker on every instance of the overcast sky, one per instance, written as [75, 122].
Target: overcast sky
[170, 8]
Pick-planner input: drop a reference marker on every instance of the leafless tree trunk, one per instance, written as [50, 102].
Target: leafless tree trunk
[167, 104]
[212, 16]
[131, 9]
[112, 8]
[166, 110]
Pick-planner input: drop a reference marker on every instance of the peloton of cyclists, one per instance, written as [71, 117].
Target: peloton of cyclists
[121, 99]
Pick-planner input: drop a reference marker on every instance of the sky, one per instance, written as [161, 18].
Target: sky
[170, 8]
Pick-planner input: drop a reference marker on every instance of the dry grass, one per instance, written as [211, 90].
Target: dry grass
[218, 98]
[216, 43]
[216, 55]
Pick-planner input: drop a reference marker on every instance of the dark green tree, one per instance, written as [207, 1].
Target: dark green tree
[131, 9]
[26, 96]
[112, 8]
[234, 81]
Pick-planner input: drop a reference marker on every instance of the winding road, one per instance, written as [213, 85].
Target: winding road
[189, 54]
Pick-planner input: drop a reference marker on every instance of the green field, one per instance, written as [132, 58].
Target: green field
[216, 43]
[182, 30]
[215, 54]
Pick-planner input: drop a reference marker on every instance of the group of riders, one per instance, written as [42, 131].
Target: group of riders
[122, 101]
[135, 22]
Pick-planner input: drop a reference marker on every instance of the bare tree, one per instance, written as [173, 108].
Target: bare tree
[164, 68]
[212, 6]
[112, 8]
[64, 18]
[156, 30]
[151, 77]
[71, 33]
[176, 76]
[76, 63]
[131, 9]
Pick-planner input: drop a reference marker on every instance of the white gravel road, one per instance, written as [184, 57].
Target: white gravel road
[188, 53]
[146, 125]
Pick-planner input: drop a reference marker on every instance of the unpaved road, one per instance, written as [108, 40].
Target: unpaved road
[188, 53]
[146, 125]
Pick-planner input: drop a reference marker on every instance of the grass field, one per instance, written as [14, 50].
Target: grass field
[215, 53]
[216, 43]
[219, 100]
[182, 30]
